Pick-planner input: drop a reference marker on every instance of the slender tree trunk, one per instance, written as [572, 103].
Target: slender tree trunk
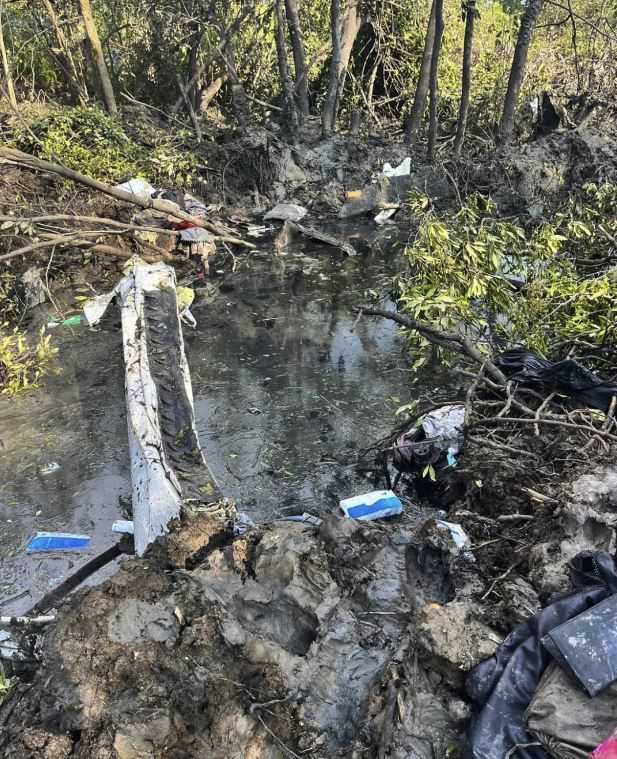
[281, 54]
[432, 128]
[344, 30]
[239, 101]
[65, 55]
[297, 46]
[8, 77]
[517, 72]
[328, 116]
[192, 91]
[470, 18]
[422, 85]
[99, 58]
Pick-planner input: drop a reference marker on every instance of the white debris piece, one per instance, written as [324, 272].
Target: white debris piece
[138, 187]
[402, 170]
[286, 212]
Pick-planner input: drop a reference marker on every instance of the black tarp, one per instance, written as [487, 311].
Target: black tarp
[566, 377]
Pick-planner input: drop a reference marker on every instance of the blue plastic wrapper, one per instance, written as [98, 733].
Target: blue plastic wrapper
[57, 541]
[375, 505]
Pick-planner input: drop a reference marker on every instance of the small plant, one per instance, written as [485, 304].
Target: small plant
[22, 366]
[89, 141]
[5, 685]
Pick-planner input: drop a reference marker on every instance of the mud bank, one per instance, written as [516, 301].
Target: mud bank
[281, 642]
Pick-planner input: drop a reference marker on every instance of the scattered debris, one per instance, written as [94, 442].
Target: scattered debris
[375, 505]
[564, 720]
[402, 170]
[504, 685]
[50, 468]
[71, 321]
[57, 541]
[437, 434]
[286, 212]
[384, 216]
[123, 526]
[575, 644]
[305, 518]
[291, 230]
[566, 377]
[35, 290]
[138, 187]
[42, 620]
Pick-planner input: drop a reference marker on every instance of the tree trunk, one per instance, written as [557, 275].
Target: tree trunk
[99, 58]
[211, 91]
[344, 30]
[422, 85]
[328, 114]
[297, 46]
[8, 77]
[65, 56]
[470, 18]
[432, 128]
[239, 101]
[281, 54]
[192, 91]
[517, 72]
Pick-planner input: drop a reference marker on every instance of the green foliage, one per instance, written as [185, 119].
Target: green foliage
[88, 140]
[22, 365]
[5, 685]
[462, 261]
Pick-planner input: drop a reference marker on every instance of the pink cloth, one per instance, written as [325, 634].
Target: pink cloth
[607, 749]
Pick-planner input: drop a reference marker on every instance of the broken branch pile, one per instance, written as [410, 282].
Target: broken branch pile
[62, 231]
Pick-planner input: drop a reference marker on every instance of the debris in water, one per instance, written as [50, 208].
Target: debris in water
[383, 217]
[375, 505]
[305, 517]
[53, 466]
[57, 541]
[123, 526]
[72, 321]
[286, 212]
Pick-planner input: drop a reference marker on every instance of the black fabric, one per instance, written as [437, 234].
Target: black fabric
[566, 377]
[502, 687]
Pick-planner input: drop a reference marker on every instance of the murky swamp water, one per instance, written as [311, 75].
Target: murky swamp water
[287, 388]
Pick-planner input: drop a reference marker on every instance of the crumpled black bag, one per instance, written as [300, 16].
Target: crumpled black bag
[503, 686]
[566, 377]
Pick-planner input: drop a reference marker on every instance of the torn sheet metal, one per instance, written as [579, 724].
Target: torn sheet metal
[167, 465]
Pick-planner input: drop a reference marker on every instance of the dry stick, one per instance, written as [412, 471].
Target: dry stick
[541, 408]
[611, 413]
[498, 579]
[553, 422]
[90, 220]
[470, 394]
[164, 206]
[500, 446]
[191, 110]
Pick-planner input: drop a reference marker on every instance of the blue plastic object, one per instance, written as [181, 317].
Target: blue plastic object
[57, 541]
[375, 505]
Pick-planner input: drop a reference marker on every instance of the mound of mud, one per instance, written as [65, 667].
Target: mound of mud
[282, 641]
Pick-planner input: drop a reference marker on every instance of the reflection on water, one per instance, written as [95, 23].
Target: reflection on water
[287, 387]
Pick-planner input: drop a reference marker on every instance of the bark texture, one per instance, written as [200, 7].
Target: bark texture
[419, 101]
[97, 54]
[470, 18]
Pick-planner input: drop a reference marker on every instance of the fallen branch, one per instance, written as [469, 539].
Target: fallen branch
[90, 220]
[450, 340]
[17, 157]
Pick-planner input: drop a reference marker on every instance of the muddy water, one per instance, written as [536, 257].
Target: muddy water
[287, 388]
